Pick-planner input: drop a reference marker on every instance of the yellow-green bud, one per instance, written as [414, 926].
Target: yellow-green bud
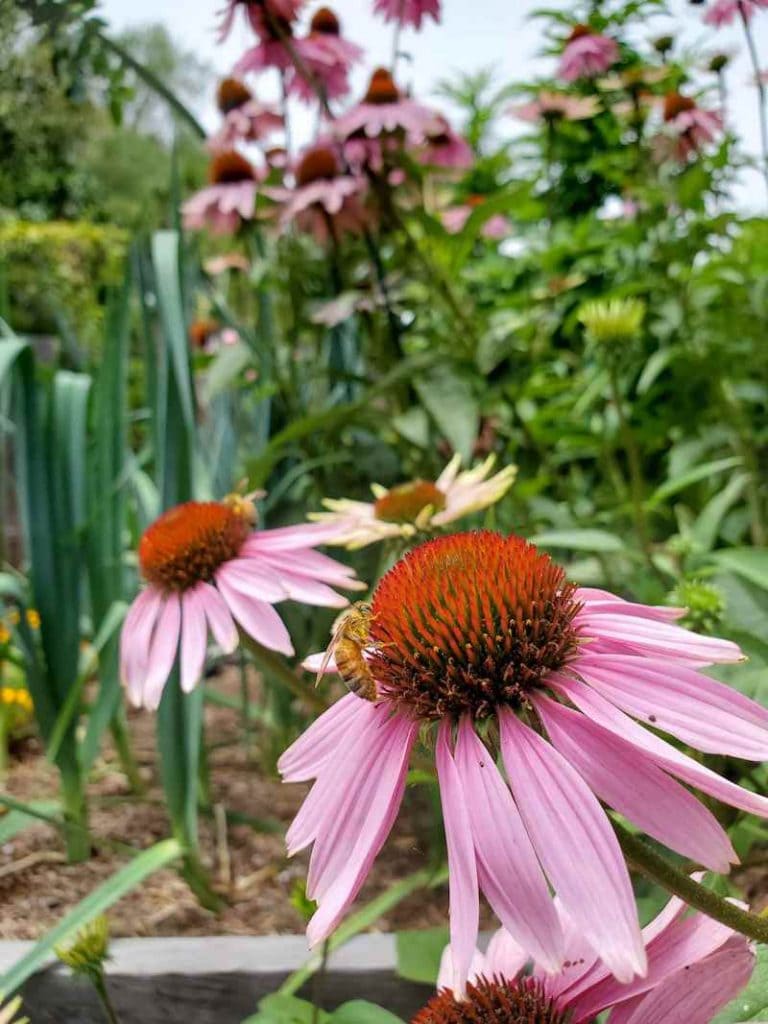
[611, 320]
[89, 950]
[704, 601]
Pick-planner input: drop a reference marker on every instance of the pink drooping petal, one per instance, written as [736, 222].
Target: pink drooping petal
[306, 758]
[587, 869]
[290, 538]
[309, 591]
[447, 972]
[258, 619]
[504, 957]
[697, 993]
[314, 662]
[462, 870]
[508, 871]
[194, 638]
[253, 579]
[162, 651]
[580, 961]
[390, 772]
[698, 710]
[336, 840]
[596, 600]
[135, 640]
[221, 623]
[632, 784]
[324, 797]
[664, 754]
[658, 638]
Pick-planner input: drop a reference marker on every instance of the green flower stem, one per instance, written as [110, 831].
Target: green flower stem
[274, 666]
[4, 739]
[762, 97]
[76, 834]
[100, 984]
[196, 877]
[646, 860]
[125, 753]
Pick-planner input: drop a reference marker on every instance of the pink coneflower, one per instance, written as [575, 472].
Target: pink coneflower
[325, 201]
[327, 56]
[587, 54]
[206, 568]
[230, 197]
[695, 968]
[554, 106]
[494, 228]
[383, 110]
[408, 12]
[418, 505]
[480, 630]
[244, 118]
[724, 12]
[688, 126]
[259, 14]
[443, 147]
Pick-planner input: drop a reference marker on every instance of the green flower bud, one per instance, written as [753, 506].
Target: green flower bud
[86, 955]
[612, 320]
[704, 602]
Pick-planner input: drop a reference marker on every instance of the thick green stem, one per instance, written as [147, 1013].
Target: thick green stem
[77, 837]
[128, 761]
[100, 984]
[644, 859]
[762, 96]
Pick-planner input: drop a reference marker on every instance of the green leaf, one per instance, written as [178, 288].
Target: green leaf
[692, 476]
[707, 526]
[448, 398]
[752, 1004]
[95, 903]
[749, 563]
[359, 1011]
[282, 1009]
[226, 367]
[419, 953]
[16, 820]
[580, 540]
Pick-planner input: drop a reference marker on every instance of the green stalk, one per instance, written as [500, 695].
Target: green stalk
[274, 666]
[100, 984]
[125, 753]
[76, 836]
[646, 860]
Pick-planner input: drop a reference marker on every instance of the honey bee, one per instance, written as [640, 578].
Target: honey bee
[349, 638]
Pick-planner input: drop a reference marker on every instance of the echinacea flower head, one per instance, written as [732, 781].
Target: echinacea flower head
[325, 201]
[556, 106]
[230, 197]
[443, 147]
[535, 695]
[383, 110]
[724, 12]
[87, 953]
[243, 117]
[587, 54]
[326, 58]
[688, 128]
[695, 968]
[609, 321]
[408, 12]
[416, 506]
[259, 14]
[207, 568]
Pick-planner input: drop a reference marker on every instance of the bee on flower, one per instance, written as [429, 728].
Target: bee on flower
[207, 568]
[418, 506]
[542, 701]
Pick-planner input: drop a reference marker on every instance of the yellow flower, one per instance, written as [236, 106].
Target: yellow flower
[5, 634]
[33, 618]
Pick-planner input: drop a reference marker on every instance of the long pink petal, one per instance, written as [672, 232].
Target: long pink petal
[504, 957]
[509, 873]
[162, 653]
[135, 640]
[305, 562]
[289, 538]
[632, 784]
[447, 971]
[194, 637]
[253, 579]
[391, 773]
[306, 758]
[659, 638]
[698, 993]
[258, 619]
[462, 870]
[664, 754]
[309, 591]
[698, 710]
[576, 845]
[595, 600]
[219, 618]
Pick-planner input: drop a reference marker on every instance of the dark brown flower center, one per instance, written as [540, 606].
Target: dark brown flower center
[675, 103]
[231, 94]
[493, 1002]
[578, 31]
[318, 164]
[326, 22]
[470, 622]
[189, 542]
[229, 167]
[382, 88]
[404, 503]
[201, 330]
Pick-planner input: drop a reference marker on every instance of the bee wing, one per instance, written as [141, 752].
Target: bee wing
[329, 651]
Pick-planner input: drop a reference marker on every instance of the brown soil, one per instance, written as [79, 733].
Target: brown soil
[249, 867]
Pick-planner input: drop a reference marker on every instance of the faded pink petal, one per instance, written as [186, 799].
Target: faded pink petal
[258, 619]
[194, 636]
[306, 758]
[162, 652]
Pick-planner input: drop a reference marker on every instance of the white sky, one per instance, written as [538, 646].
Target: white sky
[473, 34]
